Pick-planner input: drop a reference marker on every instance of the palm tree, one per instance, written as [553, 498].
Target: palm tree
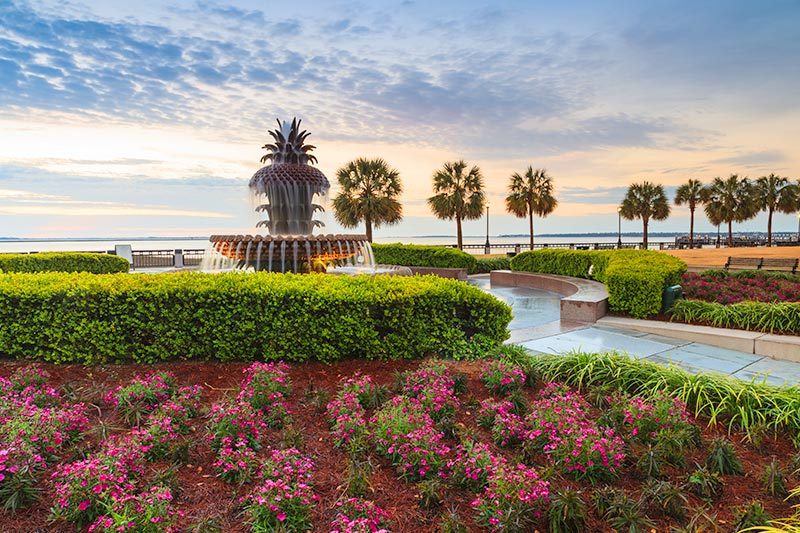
[531, 194]
[646, 201]
[458, 193]
[691, 194]
[370, 188]
[776, 193]
[731, 200]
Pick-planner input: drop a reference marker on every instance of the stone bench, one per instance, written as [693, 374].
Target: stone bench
[583, 300]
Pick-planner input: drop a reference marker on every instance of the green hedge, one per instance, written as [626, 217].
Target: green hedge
[83, 318]
[483, 266]
[94, 263]
[635, 278]
[773, 317]
[422, 256]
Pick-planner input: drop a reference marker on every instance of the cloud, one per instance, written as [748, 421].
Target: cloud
[753, 159]
[241, 76]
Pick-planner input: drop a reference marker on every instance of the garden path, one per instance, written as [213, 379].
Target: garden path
[537, 326]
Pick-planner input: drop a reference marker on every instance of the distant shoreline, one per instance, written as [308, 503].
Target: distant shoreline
[500, 236]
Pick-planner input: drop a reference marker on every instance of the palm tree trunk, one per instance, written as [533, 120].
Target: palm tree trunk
[769, 228]
[530, 226]
[368, 224]
[691, 228]
[644, 227]
[458, 233]
[730, 234]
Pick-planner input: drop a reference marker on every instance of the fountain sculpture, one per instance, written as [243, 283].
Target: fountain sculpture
[288, 184]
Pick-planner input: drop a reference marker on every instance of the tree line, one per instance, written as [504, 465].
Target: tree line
[370, 191]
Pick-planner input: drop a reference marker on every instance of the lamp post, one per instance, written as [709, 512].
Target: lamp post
[619, 227]
[718, 242]
[798, 228]
[487, 249]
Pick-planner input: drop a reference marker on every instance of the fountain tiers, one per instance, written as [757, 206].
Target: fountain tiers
[293, 253]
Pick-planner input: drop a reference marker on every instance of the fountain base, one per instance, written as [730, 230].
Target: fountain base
[290, 253]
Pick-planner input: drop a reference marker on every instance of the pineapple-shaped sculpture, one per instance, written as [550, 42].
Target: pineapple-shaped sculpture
[289, 182]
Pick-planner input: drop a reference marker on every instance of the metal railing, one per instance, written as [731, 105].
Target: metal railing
[192, 258]
[153, 258]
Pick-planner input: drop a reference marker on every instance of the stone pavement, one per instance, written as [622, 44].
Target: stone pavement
[537, 326]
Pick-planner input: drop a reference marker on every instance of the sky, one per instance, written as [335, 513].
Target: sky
[147, 118]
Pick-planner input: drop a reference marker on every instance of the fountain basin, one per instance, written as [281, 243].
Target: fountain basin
[291, 253]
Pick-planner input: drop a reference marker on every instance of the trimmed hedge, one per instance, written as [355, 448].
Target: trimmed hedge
[83, 318]
[484, 266]
[94, 263]
[635, 278]
[422, 256]
[772, 317]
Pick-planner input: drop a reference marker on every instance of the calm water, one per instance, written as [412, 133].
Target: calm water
[196, 244]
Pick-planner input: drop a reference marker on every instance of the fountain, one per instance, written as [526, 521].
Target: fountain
[285, 190]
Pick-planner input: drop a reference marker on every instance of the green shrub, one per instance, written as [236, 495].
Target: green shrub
[750, 516]
[422, 256]
[567, 512]
[722, 458]
[93, 263]
[777, 317]
[106, 318]
[635, 278]
[774, 480]
[484, 266]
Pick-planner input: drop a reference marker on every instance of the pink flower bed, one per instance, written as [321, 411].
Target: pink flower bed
[562, 427]
[734, 289]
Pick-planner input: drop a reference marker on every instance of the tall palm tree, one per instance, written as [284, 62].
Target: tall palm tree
[369, 192]
[458, 194]
[731, 200]
[690, 194]
[713, 210]
[646, 201]
[531, 194]
[776, 193]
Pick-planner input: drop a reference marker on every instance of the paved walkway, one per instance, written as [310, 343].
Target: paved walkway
[537, 326]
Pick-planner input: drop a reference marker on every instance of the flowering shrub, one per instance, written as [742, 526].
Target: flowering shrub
[236, 460]
[355, 515]
[434, 388]
[347, 418]
[35, 426]
[85, 489]
[643, 420]
[501, 378]
[265, 388]
[405, 433]
[283, 500]
[148, 512]
[238, 421]
[473, 464]
[561, 427]
[508, 428]
[142, 395]
[513, 499]
[734, 289]
[363, 387]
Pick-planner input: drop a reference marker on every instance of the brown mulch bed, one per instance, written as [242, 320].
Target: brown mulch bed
[203, 495]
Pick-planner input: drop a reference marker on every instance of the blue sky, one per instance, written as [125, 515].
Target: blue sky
[147, 118]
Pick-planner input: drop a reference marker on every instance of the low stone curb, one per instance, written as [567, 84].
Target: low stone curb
[783, 347]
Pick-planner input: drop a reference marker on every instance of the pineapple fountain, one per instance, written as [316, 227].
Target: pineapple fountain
[285, 190]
